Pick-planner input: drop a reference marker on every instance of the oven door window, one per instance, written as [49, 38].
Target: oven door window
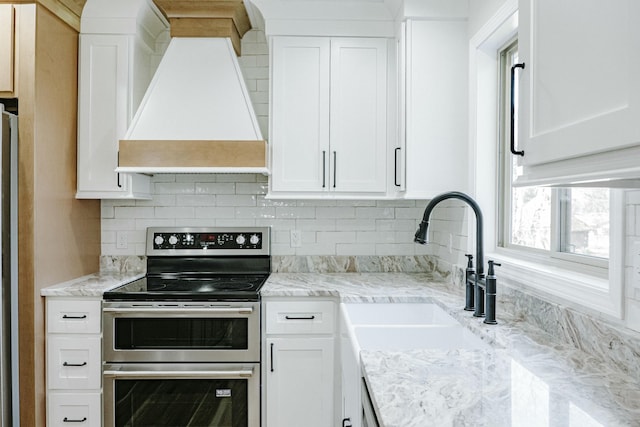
[181, 402]
[177, 333]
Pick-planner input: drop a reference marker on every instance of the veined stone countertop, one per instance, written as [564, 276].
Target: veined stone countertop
[528, 378]
[92, 285]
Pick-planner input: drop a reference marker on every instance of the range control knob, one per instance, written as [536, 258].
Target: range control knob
[159, 240]
[254, 239]
[240, 239]
[173, 240]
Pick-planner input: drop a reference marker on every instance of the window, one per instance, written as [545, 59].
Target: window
[564, 224]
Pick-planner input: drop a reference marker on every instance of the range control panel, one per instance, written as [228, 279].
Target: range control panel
[203, 241]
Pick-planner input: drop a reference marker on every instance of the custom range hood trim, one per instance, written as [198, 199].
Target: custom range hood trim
[196, 116]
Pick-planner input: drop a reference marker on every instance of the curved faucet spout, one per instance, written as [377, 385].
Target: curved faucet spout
[421, 235]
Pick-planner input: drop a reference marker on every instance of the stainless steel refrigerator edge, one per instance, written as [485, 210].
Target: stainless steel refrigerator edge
[9, 294]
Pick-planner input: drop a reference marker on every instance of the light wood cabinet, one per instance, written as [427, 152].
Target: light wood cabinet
[74, 361]
[7, 50]
[299, 363]
[579, 95]
[328, 117]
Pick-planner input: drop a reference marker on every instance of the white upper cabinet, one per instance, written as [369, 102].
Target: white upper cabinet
[104, 111]
[116, 53]
[328, 117]
[579, 96]
[434, 105]
[299, 113]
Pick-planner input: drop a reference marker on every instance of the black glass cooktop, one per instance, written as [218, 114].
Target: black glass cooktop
[202, 288]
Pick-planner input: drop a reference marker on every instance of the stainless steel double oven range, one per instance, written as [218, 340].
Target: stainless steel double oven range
[182, 345]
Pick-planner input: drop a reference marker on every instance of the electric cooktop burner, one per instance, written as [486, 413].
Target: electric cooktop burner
[241, 287]
[204, 264]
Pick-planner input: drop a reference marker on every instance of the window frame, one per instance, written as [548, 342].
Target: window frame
[530, 273]
[559, 216]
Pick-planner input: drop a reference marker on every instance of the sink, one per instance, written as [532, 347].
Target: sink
[405, 337]
[393, 327]
[397, 314]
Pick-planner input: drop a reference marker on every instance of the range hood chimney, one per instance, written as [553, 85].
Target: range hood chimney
[196, 115]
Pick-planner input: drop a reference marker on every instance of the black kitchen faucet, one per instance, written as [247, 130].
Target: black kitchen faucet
[475, 282]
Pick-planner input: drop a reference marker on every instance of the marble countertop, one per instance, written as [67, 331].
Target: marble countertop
[92, 285]
[526, 379]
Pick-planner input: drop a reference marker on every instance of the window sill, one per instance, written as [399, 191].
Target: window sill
[587, 290]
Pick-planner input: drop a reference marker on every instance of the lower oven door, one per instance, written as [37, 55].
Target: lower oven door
[195, 395]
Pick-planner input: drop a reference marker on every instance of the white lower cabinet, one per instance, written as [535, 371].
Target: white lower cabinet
[74, 409]
[74, 362]
[299, 364]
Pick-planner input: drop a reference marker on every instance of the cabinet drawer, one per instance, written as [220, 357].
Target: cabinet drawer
[74, 363]
[300, 317]
[73, 316]
[77, 409]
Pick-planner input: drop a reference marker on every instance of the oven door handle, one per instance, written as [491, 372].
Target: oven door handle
[209, 311]
[231, 374]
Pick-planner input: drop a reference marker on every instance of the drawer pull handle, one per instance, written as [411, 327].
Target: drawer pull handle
[67, 420]
[299, 317]
[74, 364]
[66, 316]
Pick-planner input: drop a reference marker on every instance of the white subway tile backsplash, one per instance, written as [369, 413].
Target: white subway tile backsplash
[117, 224]
[335, 212]
[174, 188]
[365, 224]
[143, 224]
[215, 212]
[107, 211]
[386, 213]
[134, 212]
[295, 212]
[395, 249]
[396, 224]
[159, 200]
[175, 212]
[332, 237]
[355, 249]
[236, 200]
[195, 200]
[252, 188]
[215, 188]
[375, 237]
[316, 224]
[255, 212]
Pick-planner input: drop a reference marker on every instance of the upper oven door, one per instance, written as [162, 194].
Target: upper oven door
[181, 332]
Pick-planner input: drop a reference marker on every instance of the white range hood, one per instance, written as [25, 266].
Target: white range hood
[196, 115]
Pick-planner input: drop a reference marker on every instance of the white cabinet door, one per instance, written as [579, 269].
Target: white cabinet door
[105, 90]
[300, 113]
[74, 362]
[328, 116]
[81, 409]
[435, 91]
[300, 380]
[579, 90]
[358, 115]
